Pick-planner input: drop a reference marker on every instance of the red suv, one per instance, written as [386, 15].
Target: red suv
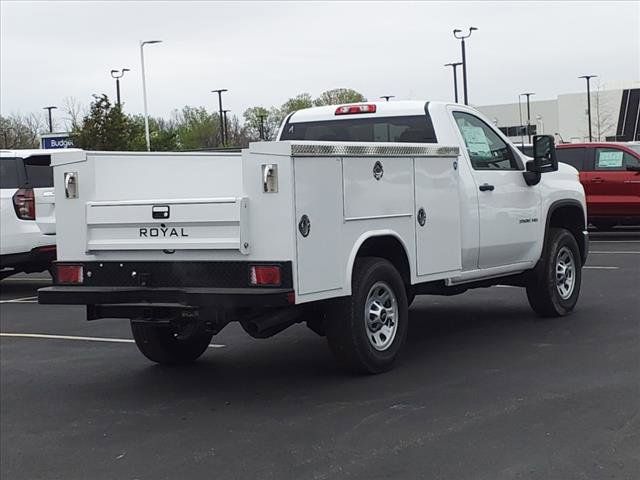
[610, 175]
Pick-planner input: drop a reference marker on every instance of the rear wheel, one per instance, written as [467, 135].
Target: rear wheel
[555, 284]
[171, 346]
[367, 330]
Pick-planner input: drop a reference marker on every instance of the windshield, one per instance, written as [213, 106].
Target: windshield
[405, 129]
[635, 147]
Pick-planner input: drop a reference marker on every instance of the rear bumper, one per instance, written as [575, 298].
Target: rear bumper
[218, 284]
[227, 298]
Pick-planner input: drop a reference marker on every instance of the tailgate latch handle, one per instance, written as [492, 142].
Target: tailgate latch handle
[160, 212]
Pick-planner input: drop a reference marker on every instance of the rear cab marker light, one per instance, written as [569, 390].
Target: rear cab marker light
[355, 109]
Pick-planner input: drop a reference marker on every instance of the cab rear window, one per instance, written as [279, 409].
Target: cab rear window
[405, 129]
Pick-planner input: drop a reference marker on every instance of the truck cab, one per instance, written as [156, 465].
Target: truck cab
[354, 211]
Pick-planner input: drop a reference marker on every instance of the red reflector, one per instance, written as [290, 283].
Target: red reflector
[351, 109]
[69, 274]
[265, 275]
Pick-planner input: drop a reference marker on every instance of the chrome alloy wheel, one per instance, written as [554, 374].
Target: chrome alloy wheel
[381, 316]
[565, 273]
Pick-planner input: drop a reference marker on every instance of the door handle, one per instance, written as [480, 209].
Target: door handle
[597, 180]
[486, 188]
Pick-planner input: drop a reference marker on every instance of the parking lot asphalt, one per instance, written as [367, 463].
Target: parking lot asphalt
[485, 390]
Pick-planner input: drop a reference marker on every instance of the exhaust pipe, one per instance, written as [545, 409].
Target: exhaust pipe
[271, 323]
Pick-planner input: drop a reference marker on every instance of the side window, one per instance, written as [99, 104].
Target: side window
[487, 150]
[572, 156]
[611, 159]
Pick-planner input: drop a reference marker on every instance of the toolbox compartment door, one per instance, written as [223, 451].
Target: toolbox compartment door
[438, 247]
[318, 192]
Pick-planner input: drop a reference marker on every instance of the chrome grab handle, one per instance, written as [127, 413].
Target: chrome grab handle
[71, 184]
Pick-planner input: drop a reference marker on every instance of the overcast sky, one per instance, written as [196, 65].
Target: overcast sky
[267, 52]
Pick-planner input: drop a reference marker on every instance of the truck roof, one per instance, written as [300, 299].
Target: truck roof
[383, 109]
[24, 153]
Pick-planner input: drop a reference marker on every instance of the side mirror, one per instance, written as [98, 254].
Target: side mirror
[544, 154]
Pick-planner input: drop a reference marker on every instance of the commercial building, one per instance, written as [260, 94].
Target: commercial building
[615, 115]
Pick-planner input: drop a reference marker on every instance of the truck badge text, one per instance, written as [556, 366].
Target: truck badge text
[162, 232]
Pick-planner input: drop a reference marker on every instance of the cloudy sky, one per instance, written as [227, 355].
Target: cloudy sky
[267, 52]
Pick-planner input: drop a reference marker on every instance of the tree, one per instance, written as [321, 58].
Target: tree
[20, 131]
[338, 96]
[259, 118]
[74, 111]
[197, 128]
[163, 134]
[105, 127]
[298, 102]
[605, 120]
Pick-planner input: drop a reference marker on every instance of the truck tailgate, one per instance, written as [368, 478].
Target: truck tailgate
[185, 224]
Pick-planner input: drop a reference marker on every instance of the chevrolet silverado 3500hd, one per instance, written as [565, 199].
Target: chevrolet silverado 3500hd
[340, 223]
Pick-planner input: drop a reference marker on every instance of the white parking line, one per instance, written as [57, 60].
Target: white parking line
[86, 339]
[21, 300]
[614, 241]
[624, 252]
[595, 267]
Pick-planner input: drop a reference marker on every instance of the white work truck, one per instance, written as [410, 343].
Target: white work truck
[340, 223]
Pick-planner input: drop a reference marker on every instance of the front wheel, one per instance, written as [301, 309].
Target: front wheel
[169, 346]
[555, 284]
[367, 330]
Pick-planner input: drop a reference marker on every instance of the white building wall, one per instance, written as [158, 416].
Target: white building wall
[566, 116]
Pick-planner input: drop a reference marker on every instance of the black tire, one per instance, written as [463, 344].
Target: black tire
[543, 291]
[162, 345]
[347, 330]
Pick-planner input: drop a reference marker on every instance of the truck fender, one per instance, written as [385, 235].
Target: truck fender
[360, 241]
[582, 240]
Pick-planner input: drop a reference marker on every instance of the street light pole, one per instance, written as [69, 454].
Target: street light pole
[144, 91]
[528, 94]
[587, 78]
[457, 33]
[387, 97]
[50, 118]
[454, 67]
[520, 114]
[118, 74]
[226, 131]
[219, 92]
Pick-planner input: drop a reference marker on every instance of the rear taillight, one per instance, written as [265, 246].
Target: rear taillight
[69, 274]
[24, 204]
[351, 109]
[265, 275]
